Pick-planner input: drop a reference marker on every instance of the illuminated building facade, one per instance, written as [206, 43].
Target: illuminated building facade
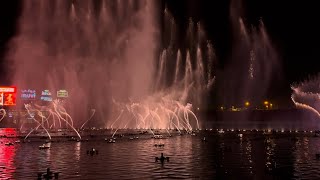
[13, 99]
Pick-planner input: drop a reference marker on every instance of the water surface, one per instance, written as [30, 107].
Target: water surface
[224, 155]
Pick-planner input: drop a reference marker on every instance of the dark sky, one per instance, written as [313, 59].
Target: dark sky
[293, 27]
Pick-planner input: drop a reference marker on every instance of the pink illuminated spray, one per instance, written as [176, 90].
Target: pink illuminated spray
[105, 54]
[307, 95]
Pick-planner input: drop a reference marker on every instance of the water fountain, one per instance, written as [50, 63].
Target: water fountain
[89, 48]
[49, 116]
[306, 95]
[171, 103]
[254, 65]
[105, 54]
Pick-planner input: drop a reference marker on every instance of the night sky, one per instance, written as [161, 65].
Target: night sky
[293, 28]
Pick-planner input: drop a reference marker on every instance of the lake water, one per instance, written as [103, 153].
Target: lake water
[225, 155]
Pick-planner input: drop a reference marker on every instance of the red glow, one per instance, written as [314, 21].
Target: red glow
[7, 154]
[9, 99]
[8, 95]
[10, 131]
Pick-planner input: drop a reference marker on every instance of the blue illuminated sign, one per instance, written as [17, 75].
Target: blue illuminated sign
[46, 95]
[28, 94]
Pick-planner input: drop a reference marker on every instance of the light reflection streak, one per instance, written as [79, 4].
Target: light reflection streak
[7, 154]
[248, 153]
[270, 151]
[77, 150]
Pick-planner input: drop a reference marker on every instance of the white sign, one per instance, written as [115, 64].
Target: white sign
[6, 89]
[62, 93]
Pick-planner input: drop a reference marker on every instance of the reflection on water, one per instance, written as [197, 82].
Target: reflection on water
[222, 156]
[306, 164]
[77, 148]
[7, 166]
[270, 145]
[7, 154]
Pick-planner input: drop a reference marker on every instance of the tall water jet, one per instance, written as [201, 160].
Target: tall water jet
[178, 65]
[181, 85]
[254, 65]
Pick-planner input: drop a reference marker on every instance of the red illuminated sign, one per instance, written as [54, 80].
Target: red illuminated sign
[8, 96]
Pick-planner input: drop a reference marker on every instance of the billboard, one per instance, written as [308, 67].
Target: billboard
[46, 95]
[62, 93]
[28, 94]
[8, 96]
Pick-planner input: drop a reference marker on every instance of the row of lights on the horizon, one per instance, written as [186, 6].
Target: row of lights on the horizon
[266, 105]
[257, 130]
[221, 130]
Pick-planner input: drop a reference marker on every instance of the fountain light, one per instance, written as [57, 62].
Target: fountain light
[247, 103]
[2, 113]
[57, 114]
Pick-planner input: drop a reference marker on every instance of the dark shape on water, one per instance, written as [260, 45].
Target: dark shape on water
[159, 145]
[92, 151]
[161, 158]
[204, 139]
[9, 144]
[48, 175]
[318, 156]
